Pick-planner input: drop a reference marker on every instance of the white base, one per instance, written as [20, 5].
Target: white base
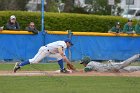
[58, 71]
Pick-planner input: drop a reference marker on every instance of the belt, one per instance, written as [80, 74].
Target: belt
[46, 46]
[49, 50]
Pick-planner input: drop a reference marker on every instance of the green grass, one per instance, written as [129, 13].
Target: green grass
[42, 66]
[65, 84]
[76, 84]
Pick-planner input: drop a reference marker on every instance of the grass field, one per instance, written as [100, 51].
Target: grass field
[76, 84]
[65, 84]
[42, 66]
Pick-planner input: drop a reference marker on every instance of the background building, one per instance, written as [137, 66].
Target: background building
[125, 4]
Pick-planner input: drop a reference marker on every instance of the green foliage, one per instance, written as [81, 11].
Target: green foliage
[99, 7]
[80, 10]
[13, 4]
[22, 17]
[63, 21]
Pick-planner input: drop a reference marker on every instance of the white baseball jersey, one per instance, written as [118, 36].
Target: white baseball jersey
[110, 66]
[49, 50]
[53, 47]
[97, 66]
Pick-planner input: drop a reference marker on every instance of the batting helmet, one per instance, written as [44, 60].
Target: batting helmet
[85, 60]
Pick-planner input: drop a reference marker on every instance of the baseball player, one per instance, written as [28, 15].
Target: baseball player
[128, 27]
[110, 66]
[54, 50]
[116, 28]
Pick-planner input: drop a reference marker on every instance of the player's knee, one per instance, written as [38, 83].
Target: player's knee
[32, 61]
[59, 57]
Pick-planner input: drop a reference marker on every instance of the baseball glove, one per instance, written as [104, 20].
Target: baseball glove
[70, 66]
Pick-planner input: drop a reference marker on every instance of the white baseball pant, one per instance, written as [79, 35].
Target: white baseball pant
[42, 53]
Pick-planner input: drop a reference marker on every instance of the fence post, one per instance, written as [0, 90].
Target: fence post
[69, 51]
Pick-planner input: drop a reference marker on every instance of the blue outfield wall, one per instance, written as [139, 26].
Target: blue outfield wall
[22, 47]
[105, 48]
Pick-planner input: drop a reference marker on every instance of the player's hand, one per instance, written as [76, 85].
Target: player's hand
[71, 67]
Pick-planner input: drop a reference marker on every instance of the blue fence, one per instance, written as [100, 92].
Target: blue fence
[22, 47]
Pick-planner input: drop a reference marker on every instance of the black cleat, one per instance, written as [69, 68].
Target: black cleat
[16, 67]
[64, 71]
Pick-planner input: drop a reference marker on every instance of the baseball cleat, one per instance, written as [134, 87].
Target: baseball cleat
[16, 67]
[64, 71]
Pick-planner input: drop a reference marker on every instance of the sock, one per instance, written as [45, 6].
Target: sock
[24, 63]
[60, 62]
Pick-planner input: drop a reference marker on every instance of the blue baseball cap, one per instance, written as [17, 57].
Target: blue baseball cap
[69, 40]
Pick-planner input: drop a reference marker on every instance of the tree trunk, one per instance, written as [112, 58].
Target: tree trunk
[68, 5]
[47, 7]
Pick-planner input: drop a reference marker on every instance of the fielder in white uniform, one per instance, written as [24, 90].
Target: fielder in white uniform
[111, 66]
[53, 50]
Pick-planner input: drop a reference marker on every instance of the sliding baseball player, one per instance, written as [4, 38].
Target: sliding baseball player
[111, 66]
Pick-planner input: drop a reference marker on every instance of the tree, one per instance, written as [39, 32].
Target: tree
[99, 7]
[48, 3]
[13, 4]
[51, 6]
[69, 4]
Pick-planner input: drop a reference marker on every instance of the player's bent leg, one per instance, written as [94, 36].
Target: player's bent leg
[19, 65]
[16, 67]
[38, 57]
[60, 62]
[62, 69]
[131, 68]
[24, 63]
[129, 60]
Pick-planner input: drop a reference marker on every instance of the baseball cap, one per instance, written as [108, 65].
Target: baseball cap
[85, 60]
[117, 23]
[69, 40]
[12, 17]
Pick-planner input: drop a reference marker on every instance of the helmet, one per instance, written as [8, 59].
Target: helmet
[85, 60]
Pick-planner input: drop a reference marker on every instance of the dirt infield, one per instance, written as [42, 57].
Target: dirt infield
[57, 73]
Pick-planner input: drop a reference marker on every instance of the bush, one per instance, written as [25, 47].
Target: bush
[63, 21]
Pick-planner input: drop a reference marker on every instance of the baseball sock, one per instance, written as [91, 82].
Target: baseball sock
[60, 62]
[24, 63]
